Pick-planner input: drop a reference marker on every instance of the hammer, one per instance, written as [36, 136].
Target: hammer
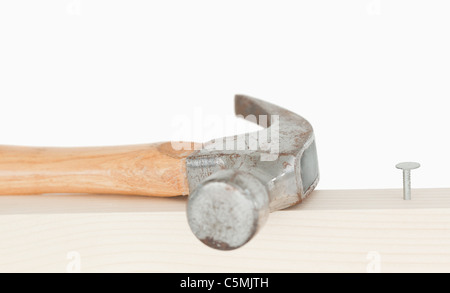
[233, 183]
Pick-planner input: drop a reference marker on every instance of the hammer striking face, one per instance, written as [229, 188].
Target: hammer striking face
[232, 191]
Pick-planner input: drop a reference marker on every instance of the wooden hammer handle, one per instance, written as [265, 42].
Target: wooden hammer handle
[152, 169]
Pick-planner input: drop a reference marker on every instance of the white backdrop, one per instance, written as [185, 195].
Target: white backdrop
[372, 76]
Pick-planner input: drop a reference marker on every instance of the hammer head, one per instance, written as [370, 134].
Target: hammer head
[236, 181]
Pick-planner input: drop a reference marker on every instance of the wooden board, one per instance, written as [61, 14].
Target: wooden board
[331, 231]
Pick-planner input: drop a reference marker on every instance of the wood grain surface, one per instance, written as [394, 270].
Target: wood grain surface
[331, 231]
[153, 169]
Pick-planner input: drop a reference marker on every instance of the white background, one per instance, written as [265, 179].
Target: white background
[372, 76]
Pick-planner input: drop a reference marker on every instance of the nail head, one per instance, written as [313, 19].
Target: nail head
[407, 165]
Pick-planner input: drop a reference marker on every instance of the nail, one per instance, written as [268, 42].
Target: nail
[407, 167]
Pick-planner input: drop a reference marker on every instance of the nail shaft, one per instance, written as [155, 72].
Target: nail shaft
[406, 184]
